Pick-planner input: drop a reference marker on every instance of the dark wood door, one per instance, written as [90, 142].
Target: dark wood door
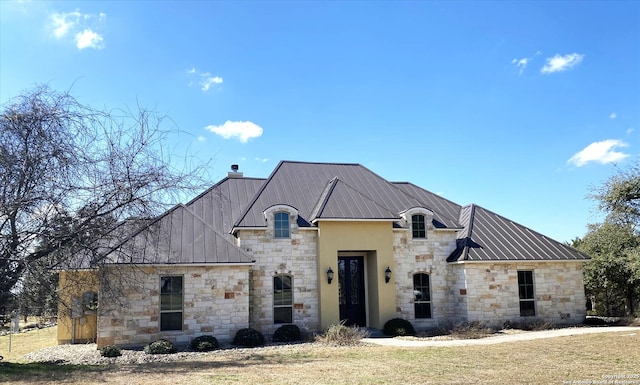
[351, 290]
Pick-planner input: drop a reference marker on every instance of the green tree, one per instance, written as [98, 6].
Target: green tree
[612, 277]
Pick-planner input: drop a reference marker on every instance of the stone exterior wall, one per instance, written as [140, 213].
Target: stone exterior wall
[215, 302]
[424, 256]
[295, 256]
[492, 291]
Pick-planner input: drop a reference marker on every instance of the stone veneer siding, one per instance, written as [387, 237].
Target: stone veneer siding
[492, 291]
[215, 302]
[429, 256]
[295, 256]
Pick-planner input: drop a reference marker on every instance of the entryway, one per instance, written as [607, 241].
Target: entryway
[351, 291]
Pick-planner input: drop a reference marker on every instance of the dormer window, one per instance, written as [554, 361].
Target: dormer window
[418, 227]
[281, 225]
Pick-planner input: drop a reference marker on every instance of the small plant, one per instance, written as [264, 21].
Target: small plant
[110, 351]
[342, 335]
[248, 337]
[287, 333]
[160, 346]
[471, 330]
[398, 327]
[204, 343]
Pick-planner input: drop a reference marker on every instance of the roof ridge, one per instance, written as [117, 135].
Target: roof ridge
[323, 199]
[257, 195]
[337, 180]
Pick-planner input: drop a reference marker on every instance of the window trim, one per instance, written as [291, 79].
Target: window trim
[413, 226]
[416, 303]
[282, 306]
[172, 311]
[526, 299]
[276, 221]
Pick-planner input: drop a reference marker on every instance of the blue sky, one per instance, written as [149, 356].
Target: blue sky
[520, 107]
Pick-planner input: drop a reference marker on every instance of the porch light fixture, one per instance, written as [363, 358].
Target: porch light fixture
[329, 276]
[387, 275]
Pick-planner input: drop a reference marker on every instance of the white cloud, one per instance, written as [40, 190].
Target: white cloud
[560, 63]
[206, 80]
[63, 22]
[89, 39]
[601, 152]
[613, 115]
[241, 130]
[81, 25]
[521, 64]
[210, 81]
[629, 130]
[262, 160]
[201, 139]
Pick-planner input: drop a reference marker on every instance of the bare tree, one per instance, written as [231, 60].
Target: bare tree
[71, 176]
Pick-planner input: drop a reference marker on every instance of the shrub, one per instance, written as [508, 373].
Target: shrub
[248, 337]
[342, 335]
[287, 333]
[398, 327]
[110, 351]
[204, 343]
[160, 346]
[471, 330]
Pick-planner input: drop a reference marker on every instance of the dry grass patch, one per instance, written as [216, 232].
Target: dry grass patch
[576, 358]
[23, 343]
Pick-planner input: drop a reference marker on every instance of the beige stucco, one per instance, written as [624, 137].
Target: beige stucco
[76, 323]
[375, 242]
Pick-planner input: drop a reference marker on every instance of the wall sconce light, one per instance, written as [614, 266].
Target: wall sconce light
[329, 276]
[387, 275]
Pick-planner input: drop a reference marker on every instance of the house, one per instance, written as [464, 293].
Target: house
[317, 243]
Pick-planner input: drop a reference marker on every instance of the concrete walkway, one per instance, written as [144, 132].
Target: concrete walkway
[502, 338]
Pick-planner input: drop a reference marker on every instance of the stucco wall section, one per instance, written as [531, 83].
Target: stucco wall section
[492, 292]
[424, 256]
[215, 302]
[295, 256]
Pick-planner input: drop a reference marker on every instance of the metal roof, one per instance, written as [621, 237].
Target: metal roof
[362, 194]
[341, 201]
[178, 237]
[224, 202]
[491, 237]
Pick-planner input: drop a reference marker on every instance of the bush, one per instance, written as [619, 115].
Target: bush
[110, 351]
[287, 333]
[398, 327]
[160, 346]
[342, 335]
[471, 330]
[248, 337]
[204, 343]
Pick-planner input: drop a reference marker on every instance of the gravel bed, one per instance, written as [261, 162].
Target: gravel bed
[88, 354]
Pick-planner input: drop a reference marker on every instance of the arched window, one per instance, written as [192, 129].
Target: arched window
[281, 224]
[418, 226]
[282, 299]
[422, 295]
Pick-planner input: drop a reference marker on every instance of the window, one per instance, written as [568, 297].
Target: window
[421, 295]
[171, 303]
[282, 299]
[525, 289]
[418, 226]
[281, 225]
